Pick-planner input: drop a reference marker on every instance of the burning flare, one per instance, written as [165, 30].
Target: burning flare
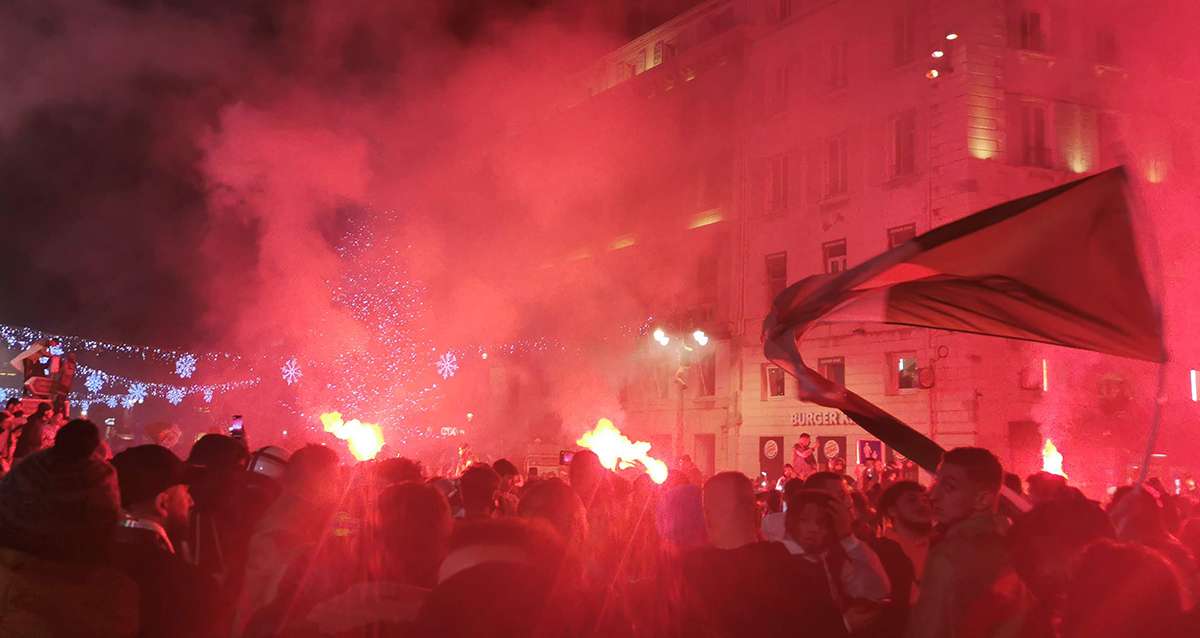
[616, 451]
[1052, 459]
[364, 439]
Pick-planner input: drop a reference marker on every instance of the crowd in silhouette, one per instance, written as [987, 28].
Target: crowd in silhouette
[234, 543]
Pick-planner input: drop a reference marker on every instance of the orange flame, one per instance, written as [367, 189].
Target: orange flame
[1052, 459]
[616, 451]
[364, 439]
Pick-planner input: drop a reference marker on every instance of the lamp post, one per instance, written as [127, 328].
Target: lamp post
[683, 347]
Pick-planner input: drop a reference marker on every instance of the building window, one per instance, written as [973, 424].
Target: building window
[774, 386]
[777, 91]
[903, 45]
[1031, 34]
[836, 68]
[776, 275]
[834, 369]
[663, 52]
[777, 194]
[835, 166]
[901, 234]
[902, 158]
[1107, 50]
[708, 374]
[902, 371]
[783, 9]
[834, 253]
[1034, 149]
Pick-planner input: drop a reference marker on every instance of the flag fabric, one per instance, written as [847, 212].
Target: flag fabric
[1058, 267]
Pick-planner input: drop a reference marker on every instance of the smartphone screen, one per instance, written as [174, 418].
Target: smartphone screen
[235, 426]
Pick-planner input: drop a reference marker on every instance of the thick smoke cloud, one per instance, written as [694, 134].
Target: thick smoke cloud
[198, 163]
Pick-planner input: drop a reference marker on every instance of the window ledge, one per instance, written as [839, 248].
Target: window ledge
[1047, 173]
[908, 179]
[1029, 55]
[1102, 70]
[834, 201]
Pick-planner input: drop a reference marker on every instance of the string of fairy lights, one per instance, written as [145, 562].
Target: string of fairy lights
[394, 376]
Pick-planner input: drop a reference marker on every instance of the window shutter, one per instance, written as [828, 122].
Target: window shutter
[1066, 135]
[878, 130]
[795, 162]
[1013, 12]
[759, 176]
[853, 161]
[1089, 137]
[1014, 131]
[815, 172]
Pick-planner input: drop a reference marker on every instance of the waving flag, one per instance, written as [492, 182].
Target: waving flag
[1058, 267]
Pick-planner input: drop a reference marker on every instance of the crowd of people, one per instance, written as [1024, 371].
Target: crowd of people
[233, 543]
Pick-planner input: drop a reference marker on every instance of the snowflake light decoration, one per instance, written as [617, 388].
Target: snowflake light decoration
[111, 402]
[291, 371]
[175, 396]
[56, 350]
[185, 366]
[95, 381]
[208, 395]
[83, 407]
[128, 403]
[137, 392]
[447, 365]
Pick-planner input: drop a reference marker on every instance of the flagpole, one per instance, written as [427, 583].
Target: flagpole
[1159, 399]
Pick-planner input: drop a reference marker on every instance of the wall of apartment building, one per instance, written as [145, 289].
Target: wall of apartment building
[855, 72]
[773, 74]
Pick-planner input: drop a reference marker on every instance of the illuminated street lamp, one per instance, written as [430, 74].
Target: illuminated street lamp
[682, 350]
[663, 339]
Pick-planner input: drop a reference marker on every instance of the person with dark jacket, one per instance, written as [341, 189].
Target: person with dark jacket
[30, 438]
[229, 501]
[177, 599]
[57, 507]
[741, 586]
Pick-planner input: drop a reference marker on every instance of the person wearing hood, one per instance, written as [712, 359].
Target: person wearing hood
[57, 509]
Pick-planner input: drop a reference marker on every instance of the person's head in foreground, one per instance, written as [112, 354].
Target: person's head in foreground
[1122, 590]
[152, 487]
[968, 483]
[809, 519]
[479, 486]
[555, 502]
[1046, 541]
[415, 525]
[905, 505]
[61, 503]
[730, 513]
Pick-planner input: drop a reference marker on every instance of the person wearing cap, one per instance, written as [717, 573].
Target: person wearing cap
[57, 507]
[176, 598]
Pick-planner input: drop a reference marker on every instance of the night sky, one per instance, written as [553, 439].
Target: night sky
[104, 204]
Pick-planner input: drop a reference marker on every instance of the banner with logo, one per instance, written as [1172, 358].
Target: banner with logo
[903, 467]
[770, 456]
[831, 453]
